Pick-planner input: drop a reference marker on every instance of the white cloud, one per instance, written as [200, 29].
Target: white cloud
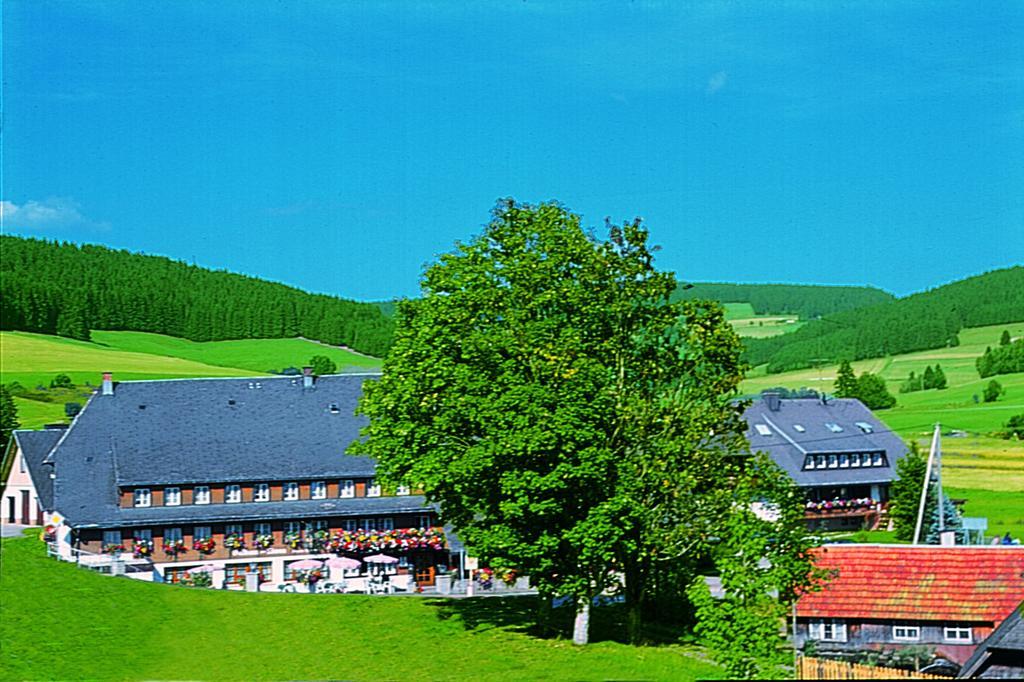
[717, 81]
[55, 212]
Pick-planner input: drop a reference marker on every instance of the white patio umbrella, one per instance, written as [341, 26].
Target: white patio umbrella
[380, 559]
[344, 563]
[306, 565]
[208, 568]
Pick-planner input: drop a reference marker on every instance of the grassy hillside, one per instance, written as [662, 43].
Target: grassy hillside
[256, 355]
[928, 320]
[34, 359]
[800, 300]
[62, 622]
[749, 324]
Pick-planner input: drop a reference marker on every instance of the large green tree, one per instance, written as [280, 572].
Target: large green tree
[871, 391]
[568, 418]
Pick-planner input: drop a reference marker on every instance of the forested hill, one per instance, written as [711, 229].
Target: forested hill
[805, 300]
[922, 321]
[66, 289]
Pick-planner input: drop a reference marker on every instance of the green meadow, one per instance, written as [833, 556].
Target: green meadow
[61, 622]
[749, 324]
[34, 359]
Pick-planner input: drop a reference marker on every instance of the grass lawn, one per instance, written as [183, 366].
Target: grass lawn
[62, 622]
[256, 355]
[34, 359]
[33, 414]
[749, 324]
[1004, 508]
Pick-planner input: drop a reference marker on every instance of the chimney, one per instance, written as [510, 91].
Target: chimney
[307, 377]
[108, 384]
[773, 401]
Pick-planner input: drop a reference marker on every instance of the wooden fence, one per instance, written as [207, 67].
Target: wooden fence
[808, 668]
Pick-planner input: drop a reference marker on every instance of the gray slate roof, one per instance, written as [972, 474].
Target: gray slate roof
[788, 447]
[1002, 650]
[35, 446]
[211, 431]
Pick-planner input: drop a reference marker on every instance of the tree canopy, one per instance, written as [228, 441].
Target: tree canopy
[570, 420]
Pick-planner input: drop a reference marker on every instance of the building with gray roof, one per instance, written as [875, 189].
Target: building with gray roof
[836, 449]
[250, 473]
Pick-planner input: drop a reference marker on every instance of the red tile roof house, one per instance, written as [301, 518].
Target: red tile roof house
[892, 596]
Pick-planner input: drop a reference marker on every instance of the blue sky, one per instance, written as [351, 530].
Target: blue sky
[340, 147]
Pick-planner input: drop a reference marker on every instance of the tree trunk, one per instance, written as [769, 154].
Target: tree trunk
[544, 614]
[634, 594]
[581, 628]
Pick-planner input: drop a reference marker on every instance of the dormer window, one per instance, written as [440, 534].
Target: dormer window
[261, 492]
[844, 461]
[172, 497]
[318, 490]
[402, 490]
[373, 488]
[347, 488]
[233, 493]
[201, 494]
[291, 491]
[141, 497]
[833, 427]
[878, 460]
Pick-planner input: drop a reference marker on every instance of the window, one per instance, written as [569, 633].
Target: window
[763, 429]
[233, 529]
[350, 525]
[373, 488]
[833, 427]
[175, 574]
[235, 574]
[844, 461]
[201, 494]
[402, 490]
[291, 491]
[144, 534]
[878, 460]
[906, 633]
[833, 461]
[172, 534]
[262, 529]
[318, 490]
[387, 523]
[827, 630]
[820, 461]
[142, 497]
[172, 497]
[318, 525]
[347, 488]
[809, 462]
[425, 521]
[21, 463]
[233, 493]
[957, 635]
[261, 492]
[855, 459]
[865, 427]
[368, 524]
[292, 527]
[202, 533]
[111, 537]
[865, 459]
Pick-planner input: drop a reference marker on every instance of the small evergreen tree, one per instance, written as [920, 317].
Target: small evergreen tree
[940, 377]
[992, 391]
[1015, 427]
[846, 382]
[322, 365]
[929, 377]
[8, 417]
[1004, 340]
[951, 521]
[905, 493]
